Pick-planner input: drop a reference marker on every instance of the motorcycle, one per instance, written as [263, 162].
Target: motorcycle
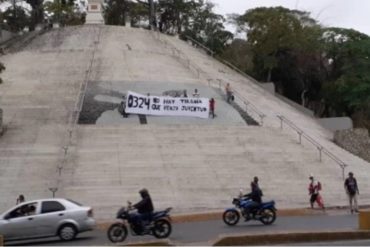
[159, 225]
[265, 212]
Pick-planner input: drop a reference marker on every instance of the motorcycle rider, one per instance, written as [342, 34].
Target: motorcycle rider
[144, 208]
[256, 196]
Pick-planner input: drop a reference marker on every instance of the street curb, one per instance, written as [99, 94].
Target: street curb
[150, 243]
[290, 237]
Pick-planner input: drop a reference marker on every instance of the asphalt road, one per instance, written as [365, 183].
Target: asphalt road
[204, 233]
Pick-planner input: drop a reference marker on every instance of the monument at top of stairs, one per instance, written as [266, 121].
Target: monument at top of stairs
[94, 12]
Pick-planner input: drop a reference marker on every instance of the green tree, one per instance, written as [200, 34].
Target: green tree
[240, 54]
[63, 12]
[138, 12]
[175, 15]
[274, 30]
[347, 89]
[16, 19]
[336, 43]
[208, 28]
[203, 25]
[285, 49]
[37, 12]
[115, 12]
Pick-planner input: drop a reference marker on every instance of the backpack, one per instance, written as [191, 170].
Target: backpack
[351, 186]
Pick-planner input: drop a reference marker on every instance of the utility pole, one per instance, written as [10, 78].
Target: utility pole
[14, 12]
[59, 10]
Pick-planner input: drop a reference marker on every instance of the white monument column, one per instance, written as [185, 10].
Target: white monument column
[95, 12]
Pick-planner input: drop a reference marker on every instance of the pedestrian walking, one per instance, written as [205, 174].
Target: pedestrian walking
[20, 199]
[229, 93]
[313, 190]
[350, 185]
[185, 94]
[212, 107]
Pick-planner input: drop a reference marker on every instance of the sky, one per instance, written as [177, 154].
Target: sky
[334, 13]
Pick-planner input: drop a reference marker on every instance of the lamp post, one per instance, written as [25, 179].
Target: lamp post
[15, 15]
[14, 10]
[53, 190]
[151, 14]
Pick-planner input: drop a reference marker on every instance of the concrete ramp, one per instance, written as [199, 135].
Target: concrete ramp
[189, 165]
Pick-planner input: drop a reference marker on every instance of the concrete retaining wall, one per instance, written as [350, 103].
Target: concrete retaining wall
[6, 35]
[356, 141]
[336, 123]
[269, 86]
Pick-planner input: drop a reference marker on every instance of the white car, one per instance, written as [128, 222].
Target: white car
[46, 218]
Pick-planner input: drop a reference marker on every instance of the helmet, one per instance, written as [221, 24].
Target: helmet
[143, 192]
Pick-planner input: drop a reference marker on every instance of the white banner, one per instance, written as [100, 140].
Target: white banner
[166, 106]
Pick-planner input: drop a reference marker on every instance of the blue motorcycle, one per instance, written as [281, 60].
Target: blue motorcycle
[265, 212]
[158, 225]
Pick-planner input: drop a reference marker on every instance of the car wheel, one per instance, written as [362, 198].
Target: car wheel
[67, 232]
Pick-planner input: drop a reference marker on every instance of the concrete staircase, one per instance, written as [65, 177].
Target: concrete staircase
[194, 168]
[94, 18]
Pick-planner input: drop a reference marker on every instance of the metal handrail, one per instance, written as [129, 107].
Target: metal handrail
[319, 147]
[247, 103]
[201, 45]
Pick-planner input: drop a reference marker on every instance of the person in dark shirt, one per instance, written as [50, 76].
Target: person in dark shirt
[350, 185]
[144, 208]
[256, 193]
[256, 196]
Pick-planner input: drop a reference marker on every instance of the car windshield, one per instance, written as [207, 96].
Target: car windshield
[74, 202]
